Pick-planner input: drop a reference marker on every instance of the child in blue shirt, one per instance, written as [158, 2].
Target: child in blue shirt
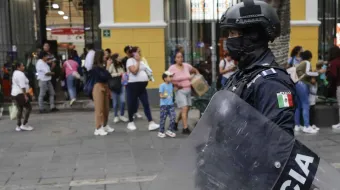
[167, 107]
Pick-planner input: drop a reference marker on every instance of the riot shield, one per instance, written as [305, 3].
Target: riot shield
[234, 147]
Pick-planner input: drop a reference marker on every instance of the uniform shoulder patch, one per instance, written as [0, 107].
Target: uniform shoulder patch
[268, 72]
[285, 99]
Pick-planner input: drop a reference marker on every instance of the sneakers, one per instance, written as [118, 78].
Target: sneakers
[116, 120]
[72, 101]
[153, 126]
[131, 126]
[123, 119]
[101, 132]
[315, 127]
[167, 133]
[186, 131]
[108, 129]
[137, 115]
[337, 126]
[24, 128]
[161, 135]
[120, 118]
[309, 130]
[170, 134]
[297, 128]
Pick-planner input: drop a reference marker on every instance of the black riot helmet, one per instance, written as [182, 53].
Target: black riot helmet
[258, 24]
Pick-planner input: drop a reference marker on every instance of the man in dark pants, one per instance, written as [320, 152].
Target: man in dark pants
[259, 80]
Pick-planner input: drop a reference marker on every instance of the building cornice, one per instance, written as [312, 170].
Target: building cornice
[305, 23]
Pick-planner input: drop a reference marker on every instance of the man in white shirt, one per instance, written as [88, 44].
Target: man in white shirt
[89, 57]
[227, 68]
[44, 77]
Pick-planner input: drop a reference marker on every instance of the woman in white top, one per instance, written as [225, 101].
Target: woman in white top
[20, 88]
[227, 68]
[136, 89]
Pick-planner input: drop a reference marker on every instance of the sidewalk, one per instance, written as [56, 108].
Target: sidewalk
[62, 153]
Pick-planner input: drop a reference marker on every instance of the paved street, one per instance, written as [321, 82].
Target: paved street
[62, 153]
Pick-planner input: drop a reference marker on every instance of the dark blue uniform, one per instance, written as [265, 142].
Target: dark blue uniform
[267, 88]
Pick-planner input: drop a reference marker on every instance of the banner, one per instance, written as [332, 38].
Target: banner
[209, 9]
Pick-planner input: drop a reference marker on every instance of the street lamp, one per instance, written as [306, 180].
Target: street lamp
[61, 12]
[65, 17]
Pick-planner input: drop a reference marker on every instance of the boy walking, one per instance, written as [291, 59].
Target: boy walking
[167, 106]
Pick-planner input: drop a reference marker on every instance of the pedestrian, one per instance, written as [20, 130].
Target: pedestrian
[182, 85]
[304, 72]
[101, 94]
[333, 77]
[295, 57]
[227, 68]
[89, 60]
[128, 54]
[258, 80]
[116, 71]
[107, 53]
[20, 94]
[166, 93]
[70, 66]
[136, 89]
[313, 90]
[45, 84]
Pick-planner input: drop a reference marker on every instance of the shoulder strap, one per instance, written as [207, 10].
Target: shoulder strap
[225, 63]
[68, 65]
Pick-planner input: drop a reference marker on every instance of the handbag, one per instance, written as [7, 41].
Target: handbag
[115, 84]
[13, 111]
[74, 73]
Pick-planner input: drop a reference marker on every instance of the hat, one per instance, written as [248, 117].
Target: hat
[168, 73]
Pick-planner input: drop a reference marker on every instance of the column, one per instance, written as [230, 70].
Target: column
[305, 26]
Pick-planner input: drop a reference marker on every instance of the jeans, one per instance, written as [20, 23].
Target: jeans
[118, 98]
[71, 86]
[46, 86]
[223, 81]
[168, 110]
[302, 92]
[134, 91]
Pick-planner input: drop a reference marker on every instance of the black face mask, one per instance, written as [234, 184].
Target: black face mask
[244, 50]
[235, 48]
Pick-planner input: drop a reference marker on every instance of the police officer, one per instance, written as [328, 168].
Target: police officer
[259, 80]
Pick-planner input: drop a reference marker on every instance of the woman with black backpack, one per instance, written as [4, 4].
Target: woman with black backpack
[116, 71]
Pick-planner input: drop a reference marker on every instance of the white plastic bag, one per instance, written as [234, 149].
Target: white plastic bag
[13, 111]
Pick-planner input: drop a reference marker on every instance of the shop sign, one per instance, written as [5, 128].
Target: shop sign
[209, 9]
[67, 31]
